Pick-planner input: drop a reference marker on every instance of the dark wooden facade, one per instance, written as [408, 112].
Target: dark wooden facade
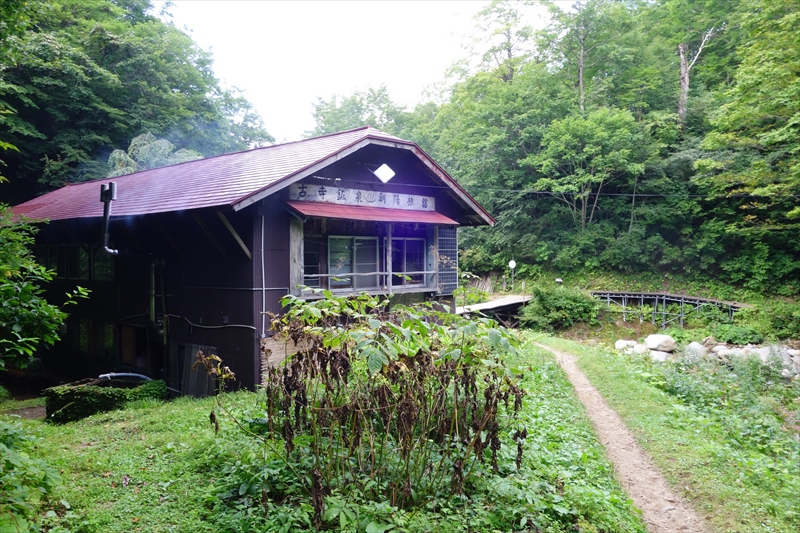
[195, 279]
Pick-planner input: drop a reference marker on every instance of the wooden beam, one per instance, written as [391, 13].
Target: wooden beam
[171, 241]
[244, 247]
[210, 235]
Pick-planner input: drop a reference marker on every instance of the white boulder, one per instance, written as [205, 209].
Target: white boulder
[660, 342]
[695, 350]
[793, 353]
[659, 356]
[624, 344]
[640, 349]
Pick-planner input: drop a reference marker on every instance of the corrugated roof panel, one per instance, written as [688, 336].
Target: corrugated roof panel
[368, 213]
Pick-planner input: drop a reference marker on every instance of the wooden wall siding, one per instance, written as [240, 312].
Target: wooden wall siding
[200, 284]
[411, 174]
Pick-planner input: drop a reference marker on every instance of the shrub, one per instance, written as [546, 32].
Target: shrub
[777, 319]
[553, 309]
[470, 296]
[23, 480]
[734, 334]
[4, 394]
[402, 405]
[67, 403]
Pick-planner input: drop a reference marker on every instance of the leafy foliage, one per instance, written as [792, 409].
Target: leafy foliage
[776, 319]
[91, 75]
[402, 405]
[145, 152]
[27, 320]
[556, 308]
[372, 107]
[23, 480]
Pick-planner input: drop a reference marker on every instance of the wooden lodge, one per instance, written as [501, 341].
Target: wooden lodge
[193, 255]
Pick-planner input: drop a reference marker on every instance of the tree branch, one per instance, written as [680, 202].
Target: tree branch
[706, 36]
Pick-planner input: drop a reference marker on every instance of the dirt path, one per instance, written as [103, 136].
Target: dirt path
[662, 510]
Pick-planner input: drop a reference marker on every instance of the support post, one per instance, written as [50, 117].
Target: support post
[389, 281]
[296, 256]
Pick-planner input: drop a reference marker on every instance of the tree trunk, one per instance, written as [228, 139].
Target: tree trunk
[581, 66]
[683, 97]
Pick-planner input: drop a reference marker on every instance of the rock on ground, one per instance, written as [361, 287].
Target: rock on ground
[660, 342]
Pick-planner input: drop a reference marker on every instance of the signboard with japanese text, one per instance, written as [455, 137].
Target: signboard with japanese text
[340, 195]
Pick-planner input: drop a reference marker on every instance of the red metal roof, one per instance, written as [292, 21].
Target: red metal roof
[373, 214]
[236, 180]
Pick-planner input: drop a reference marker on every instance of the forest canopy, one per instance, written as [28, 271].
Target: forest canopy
[81, 78]
[658, 137]
[628, 136]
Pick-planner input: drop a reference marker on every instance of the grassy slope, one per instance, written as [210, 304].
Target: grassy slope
[166, 450]
[690, 450]
[160, 448]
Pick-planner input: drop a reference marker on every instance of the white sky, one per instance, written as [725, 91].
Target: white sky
[283, 55]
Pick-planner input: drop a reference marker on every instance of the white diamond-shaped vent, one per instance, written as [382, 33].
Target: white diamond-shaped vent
[384, 173]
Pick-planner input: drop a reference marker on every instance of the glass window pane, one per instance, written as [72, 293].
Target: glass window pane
[85, 336]
[311, 263]
[52, 257]
[366, 261]
[415, 259]
[398, 260]
[340, 259]
[72, 261]
[83, 262]
[109, 340]
[61, 261]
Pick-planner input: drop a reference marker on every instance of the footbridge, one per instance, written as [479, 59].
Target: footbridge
[663, 308]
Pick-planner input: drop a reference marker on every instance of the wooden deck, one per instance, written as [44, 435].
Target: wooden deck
[505, 309]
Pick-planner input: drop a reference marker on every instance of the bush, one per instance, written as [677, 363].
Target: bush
[67, 403]
[23, 480]
[4, 394]
[778, 319]
[553, 309]
[401, 405]
[734, 334]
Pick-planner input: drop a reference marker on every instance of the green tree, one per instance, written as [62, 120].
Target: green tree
[505, 41]
[92, 74]
[756, 135]
[145, 152]
[583, 41]
[580, 155]
[27, 320]
[372, 107]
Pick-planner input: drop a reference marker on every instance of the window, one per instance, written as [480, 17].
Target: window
[353, 255]
[77, 261]
[311, 251]
[408, 255]
[92, 338]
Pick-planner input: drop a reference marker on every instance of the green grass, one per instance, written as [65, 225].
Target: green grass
[159, 467]
[140, 469]
[12, 405]
[740, 471]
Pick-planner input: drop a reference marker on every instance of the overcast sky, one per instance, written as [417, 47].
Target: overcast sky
[284, 55]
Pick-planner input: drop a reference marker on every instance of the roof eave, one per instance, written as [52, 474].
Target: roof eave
[284, 182]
